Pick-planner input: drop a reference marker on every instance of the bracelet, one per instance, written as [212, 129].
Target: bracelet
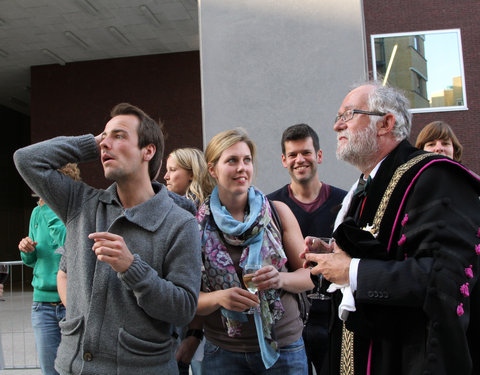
[198, 333]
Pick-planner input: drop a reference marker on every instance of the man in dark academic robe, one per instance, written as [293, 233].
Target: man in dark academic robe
[406, 260]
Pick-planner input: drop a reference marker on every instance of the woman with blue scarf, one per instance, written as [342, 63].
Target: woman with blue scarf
[237, 229]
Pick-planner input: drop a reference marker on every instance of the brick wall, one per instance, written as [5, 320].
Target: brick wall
[77, 98]
[422, 15]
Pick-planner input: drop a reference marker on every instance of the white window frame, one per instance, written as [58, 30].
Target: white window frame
[463, 107]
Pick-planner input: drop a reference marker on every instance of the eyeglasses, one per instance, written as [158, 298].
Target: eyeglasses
[349, 113]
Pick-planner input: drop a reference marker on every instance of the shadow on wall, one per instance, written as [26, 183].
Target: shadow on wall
[16, 203]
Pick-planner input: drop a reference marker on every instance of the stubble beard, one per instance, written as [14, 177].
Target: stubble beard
[305, 179]
[115, 175]
[361, 147]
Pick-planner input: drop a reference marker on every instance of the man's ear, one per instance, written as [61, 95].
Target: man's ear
[319, 156]
[284, 161]
[387, 124]
[149, 152]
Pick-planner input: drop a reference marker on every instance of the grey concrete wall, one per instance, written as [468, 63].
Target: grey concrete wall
[269, 64]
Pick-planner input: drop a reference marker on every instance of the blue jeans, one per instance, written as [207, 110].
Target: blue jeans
[292, 361]
[196, 367]
[45, 318]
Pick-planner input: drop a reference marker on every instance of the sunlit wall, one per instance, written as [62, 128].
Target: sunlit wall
[270, 64]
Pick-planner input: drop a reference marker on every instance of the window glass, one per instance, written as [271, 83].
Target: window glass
[427, 65]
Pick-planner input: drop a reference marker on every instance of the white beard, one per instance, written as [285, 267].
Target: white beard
[360, 148]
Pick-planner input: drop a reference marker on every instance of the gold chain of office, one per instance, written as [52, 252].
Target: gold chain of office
[346, 357]
[390, 188]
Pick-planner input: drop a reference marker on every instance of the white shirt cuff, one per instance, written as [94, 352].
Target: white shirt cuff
[352, 273]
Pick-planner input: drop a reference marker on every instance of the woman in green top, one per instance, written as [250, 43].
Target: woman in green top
[46, 234]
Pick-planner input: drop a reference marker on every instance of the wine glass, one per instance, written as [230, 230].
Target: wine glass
[248, 274]
[3, 274]
[319, 245]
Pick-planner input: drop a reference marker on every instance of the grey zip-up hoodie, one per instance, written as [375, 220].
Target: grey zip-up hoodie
[116, 323]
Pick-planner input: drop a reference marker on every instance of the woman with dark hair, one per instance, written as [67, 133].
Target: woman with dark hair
[438, 137]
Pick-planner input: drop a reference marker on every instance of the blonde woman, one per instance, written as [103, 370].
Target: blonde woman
[238, 230]
[186, 169]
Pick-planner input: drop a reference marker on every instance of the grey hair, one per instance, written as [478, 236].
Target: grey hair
[388, 99]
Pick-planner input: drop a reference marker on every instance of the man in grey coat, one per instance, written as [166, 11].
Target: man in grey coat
[133, 255]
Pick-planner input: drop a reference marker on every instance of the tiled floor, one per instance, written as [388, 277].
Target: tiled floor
[17, 335]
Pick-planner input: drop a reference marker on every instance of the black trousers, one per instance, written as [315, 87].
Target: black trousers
[315, 336]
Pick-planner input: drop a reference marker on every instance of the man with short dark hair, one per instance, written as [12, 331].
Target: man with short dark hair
[406, 256]
[315, 205]
[133, 255]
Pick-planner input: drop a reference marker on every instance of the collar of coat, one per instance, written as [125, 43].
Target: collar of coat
[151, 213]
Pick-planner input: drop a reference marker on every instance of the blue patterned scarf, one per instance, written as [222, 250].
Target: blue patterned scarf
[262, 244]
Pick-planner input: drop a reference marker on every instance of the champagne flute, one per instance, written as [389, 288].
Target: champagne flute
[248, 273]
[319, 245]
